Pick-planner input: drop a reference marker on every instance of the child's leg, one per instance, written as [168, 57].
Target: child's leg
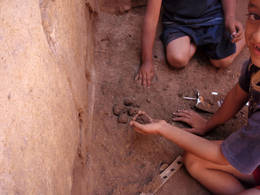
[219, 179]
[225, 62]
[180, 51]
[252, 191]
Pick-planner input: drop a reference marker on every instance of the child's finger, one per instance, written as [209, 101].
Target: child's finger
[150, 119]
[137, 76]
[236, 39]
[181, 114]
[132, 123]
[181, 119]
[148, 80]
[137, 125]
[134, 118]
[140, 78]
[188, 112]
[137, 114]
[140, 131]
[239, 33]
[179, 111]
[141, 112]
[233, 29]
[239, 27]
[144, 80]
[191, 130]
[234, 35]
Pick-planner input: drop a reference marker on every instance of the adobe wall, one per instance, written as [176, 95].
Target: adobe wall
[46, 92]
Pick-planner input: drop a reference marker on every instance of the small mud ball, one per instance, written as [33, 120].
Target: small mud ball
[128, 102]
[136, 105]
[123, 118]
[132, 111]
[117, 110]
[142, 119]
[148, 100]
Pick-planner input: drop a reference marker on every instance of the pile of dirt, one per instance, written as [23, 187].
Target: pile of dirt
[129, 109]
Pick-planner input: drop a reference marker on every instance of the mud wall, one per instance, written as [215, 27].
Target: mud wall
[46, 92]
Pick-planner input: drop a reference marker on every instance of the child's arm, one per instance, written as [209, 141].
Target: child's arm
[234, 101]
[233, 26]
[151, 19]
[194, 144]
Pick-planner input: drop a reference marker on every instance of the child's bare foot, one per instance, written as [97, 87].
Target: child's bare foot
[197, 122]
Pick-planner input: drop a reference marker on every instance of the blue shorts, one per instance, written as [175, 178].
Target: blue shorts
[213, 39]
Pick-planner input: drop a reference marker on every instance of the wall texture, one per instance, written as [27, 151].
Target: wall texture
[46, 89]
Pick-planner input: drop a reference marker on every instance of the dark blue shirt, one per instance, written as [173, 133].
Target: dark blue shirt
[205, 12]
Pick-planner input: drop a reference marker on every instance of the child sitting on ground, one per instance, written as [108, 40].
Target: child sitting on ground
[187, 25]
[221, 165]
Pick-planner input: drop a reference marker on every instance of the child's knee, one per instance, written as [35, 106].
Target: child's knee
[191, 163]
[177, 60]
[223, 63]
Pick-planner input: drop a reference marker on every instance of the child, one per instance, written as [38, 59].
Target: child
[221, 165]
[188, 24]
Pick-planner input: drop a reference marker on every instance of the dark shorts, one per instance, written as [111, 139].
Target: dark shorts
[256, 175]
[214, 39]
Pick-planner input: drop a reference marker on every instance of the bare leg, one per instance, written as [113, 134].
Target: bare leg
[252, 191]
[225, 62]
[219, 179]
[180, 51]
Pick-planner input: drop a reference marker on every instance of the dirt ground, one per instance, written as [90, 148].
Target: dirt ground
[121, 160]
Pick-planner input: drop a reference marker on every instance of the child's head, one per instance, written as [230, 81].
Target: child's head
[253, 31]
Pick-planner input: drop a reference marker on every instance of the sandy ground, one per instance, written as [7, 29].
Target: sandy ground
[121, 160]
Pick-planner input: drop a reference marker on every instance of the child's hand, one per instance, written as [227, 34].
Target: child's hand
[153, 127]
[235, 28]
[145, 74]
[193, 119]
